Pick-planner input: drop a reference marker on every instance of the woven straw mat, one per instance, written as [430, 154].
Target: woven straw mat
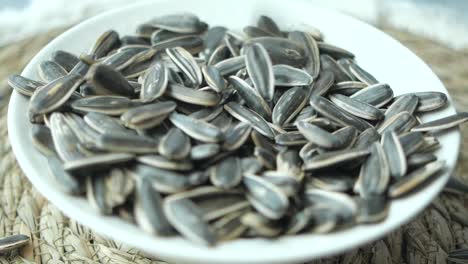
[441, 228]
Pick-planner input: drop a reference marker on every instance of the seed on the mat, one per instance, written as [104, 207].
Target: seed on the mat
[226, 174]
[187, 218]
[50, 71]
[414, 179]
[248, 116]
[251, 96]
[197, 129]
[192, 96]
[23, 85]
[180, 23]
[10, 243]
[109, 105]
[53, 95]
[356, 107]
[266, 197]
[289, 105]
[443, 123]
[175, 145]
[260, 70]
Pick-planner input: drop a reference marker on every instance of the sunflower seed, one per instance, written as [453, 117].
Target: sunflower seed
[175, 145]
[42, 139]
[187, 218]
[331, 181]
[109, 105]
[50, 71]
[286, 75]
[197, 129]
[414, 179]
[148, 210]
[204, 151]
[373, 209]
[248, 116]
[265, 197]
[265, 157]
[120, 142]
[260, 70]
[406, 103]
[289, 105]
[166, 181]
[312, 65]
[375, 172]
[251, 96]
[180, 23]
[340, 204]
[53, 95]
[293, 138]
[102, 123]
[362, 75]
[376, 95]
[231, 65]
[266, 23]
[288, 184]
[395, 153]
[333, 158]
[154, 83]
[227, 174]
[261, 226]
[324, 82]
[230, 226]
[147, 116]
[328, 63]
[97, 161]
[443, 123]
[107, 79]
[10, 243]
[187, 64]
[281, 50]
[108, 41]
[334, 113]
[255, 32]
[191, 96]
[65, 141]
[417, 160]
[318, 136]
[23, 85]
[356, 107]
[193, 44]
[236, 136]
[430, 101]
[348, 88]
[64, 59]
[334, 51]
[65, 181]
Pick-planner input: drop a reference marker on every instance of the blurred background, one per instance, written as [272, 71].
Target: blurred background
[442, 20]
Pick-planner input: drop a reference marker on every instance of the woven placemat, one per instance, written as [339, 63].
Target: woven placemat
[441, 228]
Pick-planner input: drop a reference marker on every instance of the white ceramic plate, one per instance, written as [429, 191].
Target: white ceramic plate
[384, 57]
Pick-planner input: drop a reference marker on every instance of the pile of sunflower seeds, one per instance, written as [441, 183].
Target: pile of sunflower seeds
[200, 131]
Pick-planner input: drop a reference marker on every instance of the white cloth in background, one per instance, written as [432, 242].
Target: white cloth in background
[444, 21]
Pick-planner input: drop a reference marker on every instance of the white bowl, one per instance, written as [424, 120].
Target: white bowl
[384, 57]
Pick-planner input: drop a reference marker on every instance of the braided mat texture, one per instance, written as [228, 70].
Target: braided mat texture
[429, 238]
